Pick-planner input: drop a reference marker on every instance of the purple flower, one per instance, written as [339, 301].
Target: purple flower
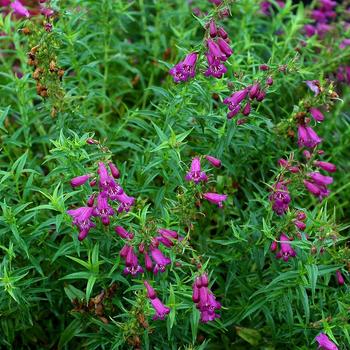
[212, 29]
[273, 246]
[269, 81]
[107, 183]
[160, 308]
[103, 210]
[151, 294]
[317, 114]
[224, 47]
[148, 262]
[160, 260]
[205, 299]
[300, 225]
[184, 69]
[247, 109]
[79, 180]
[286, 251]
[320, 179]
[280, 198]
[215, 67]
[121, 232]
[215, 198]
[234, 112]
[340, 278]
[215, 2]
[195, 174]
[236, 98]
[325, 343]
[254, 90]
[81, 219]
[316, 189]
[114, 170]
[314, 86]
[307, 137]
[213, 161]
[344, 43]
[329, 167]
[46, 11]
[125, 201]
[19, 9]
[131, 262]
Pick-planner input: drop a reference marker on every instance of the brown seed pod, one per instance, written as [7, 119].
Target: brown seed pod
[26, 31]
[36, 74]
[52, 66]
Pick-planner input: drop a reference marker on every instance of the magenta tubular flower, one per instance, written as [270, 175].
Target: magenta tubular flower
[280, 198]
[325, 343]
[320, 179]
[326, 166]
[103, 210]
[213, 161]
[132, 265]
[215, 198]
[312, 188]
[301, 216]
[160, 260]
[125, 201]
[286, 251]
[107, 183]
[79, 180]
[160, 308]
[317, 114]
[307, 137]
[254, 90]
[215, 51]
[314, 86]
[344, 44]
[184, 69]
[236, 98]
[165, 241]
[148, 262]
[273, 246]
[269, 81]
[19, 9]
[195, 174]
[234, 112]
[212, 29]
[225, 47]
[168, 233]
[46, 11]
[81, 219]
[114, 170]
[300, 225]
[151, 294]
[340, 278]
[91, 201]
[222, 33]
[261, 96]
[205, 299]
[215, 67]
[247, 109]
[122, 232]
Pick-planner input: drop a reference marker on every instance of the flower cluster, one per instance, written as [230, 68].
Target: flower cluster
[218, 51]
[20, 9]
[154, 259]
[196, 175]
[160, 309]
[280, 197]
[286, 251]
[98, 202]
[241, 101]
[205, 299]
[321, 16]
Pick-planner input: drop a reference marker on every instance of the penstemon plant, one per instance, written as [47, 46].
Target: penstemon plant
[174, 174]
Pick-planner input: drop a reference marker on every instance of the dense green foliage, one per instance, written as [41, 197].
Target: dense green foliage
[116, 89]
